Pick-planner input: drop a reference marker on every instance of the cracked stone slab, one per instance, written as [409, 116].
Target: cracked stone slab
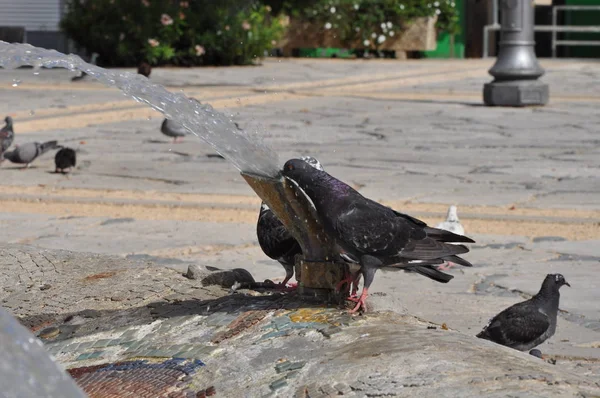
[275, 344]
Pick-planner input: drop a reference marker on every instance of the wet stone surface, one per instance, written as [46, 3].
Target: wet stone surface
[184, 340]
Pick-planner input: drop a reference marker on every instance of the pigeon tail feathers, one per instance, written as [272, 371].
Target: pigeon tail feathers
[48, 145]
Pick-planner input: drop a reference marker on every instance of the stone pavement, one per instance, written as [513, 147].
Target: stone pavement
[411, 134]
[132, 328]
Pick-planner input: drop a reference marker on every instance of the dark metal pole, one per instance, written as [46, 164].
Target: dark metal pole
[516, 69]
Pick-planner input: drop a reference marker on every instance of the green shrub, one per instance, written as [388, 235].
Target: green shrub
[374, 21]
[192, 32]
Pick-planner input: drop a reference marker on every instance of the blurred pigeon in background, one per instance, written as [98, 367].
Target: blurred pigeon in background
[452, 222]
[275, 240]
[529, 323]
[7, 135]
[82, 74]
[64, 159]
[173, 129]
[144, 69]
[374, 235]
[27, 153]
[453, 225]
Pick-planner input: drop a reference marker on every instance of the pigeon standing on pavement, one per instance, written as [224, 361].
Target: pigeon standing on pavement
[27, 153]
[7, 135]
[64, 159]
[452, 222]
[453, 225]
[528, 324]
[374, 235]
[82, 74]
[173, 129]
[144, 69]
[275, 240]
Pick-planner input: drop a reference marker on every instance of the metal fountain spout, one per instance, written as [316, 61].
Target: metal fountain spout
[317, 272]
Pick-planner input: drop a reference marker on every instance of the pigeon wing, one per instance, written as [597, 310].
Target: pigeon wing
[370, 230]
[519, 324]
[274, 239]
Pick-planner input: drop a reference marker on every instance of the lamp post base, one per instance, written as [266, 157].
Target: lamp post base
[516, 93]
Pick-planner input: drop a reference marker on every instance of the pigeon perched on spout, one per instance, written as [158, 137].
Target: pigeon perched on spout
[373, 235]
[7, 135]
[65, 159]
[528, 324]
[275, 240]
[27, 153]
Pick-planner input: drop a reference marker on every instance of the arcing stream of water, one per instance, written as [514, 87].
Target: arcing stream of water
[245, 150]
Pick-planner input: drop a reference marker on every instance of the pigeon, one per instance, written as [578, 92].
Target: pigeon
[144, 69]
[64, 159]
[82, 75]
[7, 135]
[527, 324]
[27, 153]
[275, 240]
[453, 225]
[372, 235]
[173, 129]
[452, 222]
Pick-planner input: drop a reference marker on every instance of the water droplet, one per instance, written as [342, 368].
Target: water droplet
[16, 82]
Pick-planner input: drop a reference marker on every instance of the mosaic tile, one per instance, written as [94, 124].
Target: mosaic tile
[101, 343]
[287, 365]
[277, 384]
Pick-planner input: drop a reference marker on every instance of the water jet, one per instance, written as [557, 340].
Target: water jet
[317, 271]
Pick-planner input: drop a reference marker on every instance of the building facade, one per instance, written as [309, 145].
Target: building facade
[36, 22]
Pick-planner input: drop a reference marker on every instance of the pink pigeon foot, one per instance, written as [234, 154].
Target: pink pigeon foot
[361, 301]
[446, 266]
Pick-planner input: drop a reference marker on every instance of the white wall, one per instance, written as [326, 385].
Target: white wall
[34, 15]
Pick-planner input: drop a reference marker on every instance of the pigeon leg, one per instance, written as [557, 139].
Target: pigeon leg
[348, 279]
[446, 266]
[369, 266]
[289, 272]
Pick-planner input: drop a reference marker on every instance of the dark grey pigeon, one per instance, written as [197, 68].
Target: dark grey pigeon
[82, 75]
[374, 235]
[275, 240]
[65, 159]
[27, 153]
[7, 135]
[173, 129]
[528, 324]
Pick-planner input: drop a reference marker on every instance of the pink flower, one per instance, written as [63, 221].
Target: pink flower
[146, 3]
[181, 15]
[227, 27]
[184, 4]
[153, 42]
[246, 25]
[166, 20]
[199, 50]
